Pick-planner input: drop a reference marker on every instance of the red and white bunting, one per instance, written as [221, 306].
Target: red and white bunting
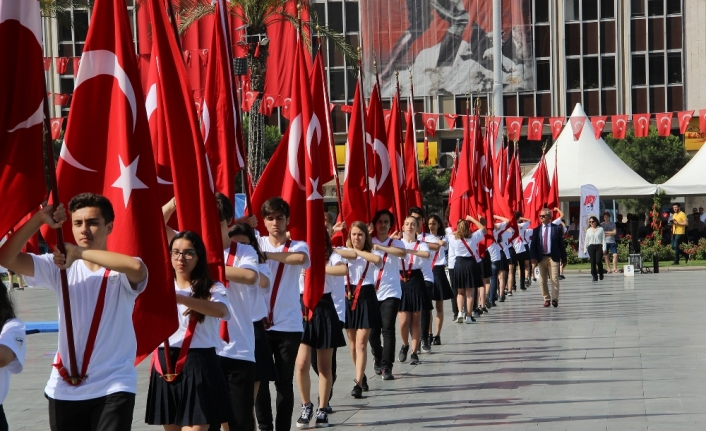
[641, 124]
[598, 124]
[577, 124]
[514, 127]
[684, 119]
[534, 128]
[556, 123]
[620, 126]
[431, 122]
[450, 121]
[664, 123]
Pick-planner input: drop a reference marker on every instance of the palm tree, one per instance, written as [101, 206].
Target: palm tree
[258, 15]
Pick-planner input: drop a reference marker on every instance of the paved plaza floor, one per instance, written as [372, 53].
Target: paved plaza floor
[622, 354]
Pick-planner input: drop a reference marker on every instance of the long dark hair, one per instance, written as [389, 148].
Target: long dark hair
[7, 307]
[440, 231]
[247, 230]
[329, 246]
[201, 281]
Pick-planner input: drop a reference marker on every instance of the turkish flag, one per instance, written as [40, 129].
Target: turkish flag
[160, 144]
[31, 246]
[664, 124]
[320, 101]
[553, 197]
[56, 125]
[61, 99]
[196, 208]
[222, 129]
[536, 193]
[61, 63]
[411, 161]
[462, 202]
[577, 123]
[285, 107]
[387, 113]
[379, 171]
[620, 126]
[107, 151]
[514, 127]
[356, 205]
[535, 125]
[348, 109]
[21, 112]
[598, 124]
[47, 64]
[249, 99]
[450, 121]
[394, 148]
[501, 172]
[684, 119]
[431, 121]
[269, 103]
[484, 175]
[556, 123]
[77, 64]
[641, 124]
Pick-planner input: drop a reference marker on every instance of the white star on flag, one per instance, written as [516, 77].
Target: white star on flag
[315, 186]
[128, 180]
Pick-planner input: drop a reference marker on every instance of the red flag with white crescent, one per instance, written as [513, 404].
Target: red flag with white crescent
[249, 99]
[535, 125]
[598, 124]
[556, 123]
[61, 64]
[411, 160]
[684, 119]
[379, 170]
[357, 196]
[319, 98]
[450, 121]
[620, 126]
[514, 127]
[577, 122]
[56, 125]
[269, 103]
[394, 148]
[21, 112]
[664, 123]
[107, 151]
[431, 122]
[553, 197]
[536, 193]
[641, 124]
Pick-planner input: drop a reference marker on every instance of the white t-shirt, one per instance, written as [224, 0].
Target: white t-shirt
[494, 251]
[473, 243]
[390, 280]
[287, 314]
[519, 242]
[527, 234]
[450, 250]
[356, 269]
[258, 306]
[426, 263]
[112, 366]
[503, 233]
[337, 286]
[417, 262]
[240, 330]
[206, 334]
[13, 336]
[440, 254]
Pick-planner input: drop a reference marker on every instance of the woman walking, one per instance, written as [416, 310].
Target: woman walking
[594, 245]
[467, 273]
[442, 289]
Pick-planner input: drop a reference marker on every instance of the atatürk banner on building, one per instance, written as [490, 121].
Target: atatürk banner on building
[447, 43]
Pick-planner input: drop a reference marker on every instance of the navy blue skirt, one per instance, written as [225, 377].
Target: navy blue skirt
[414, 293]
[323, 330]
[367, 311]
[467, 273]
[442, 288]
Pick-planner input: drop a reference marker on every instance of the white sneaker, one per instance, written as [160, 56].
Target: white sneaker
[469, 320]
[459, 319]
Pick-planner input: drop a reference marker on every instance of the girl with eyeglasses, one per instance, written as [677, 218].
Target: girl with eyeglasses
[595, 246]
[192, 391]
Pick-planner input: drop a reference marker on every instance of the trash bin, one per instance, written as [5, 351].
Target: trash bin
[655, 264]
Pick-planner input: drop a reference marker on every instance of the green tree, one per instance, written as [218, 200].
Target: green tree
[654, 158]
[434, 184]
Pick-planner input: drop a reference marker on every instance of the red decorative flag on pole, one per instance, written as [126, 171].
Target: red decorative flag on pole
[411, 163]
[620, 126]
[394, 148]
[664, 124]
[534, 128]
[514, 127]
[536, 193]
[684, 119]
[269, 103]
[319, 98]
[355, 184]
[577, 122]
[379, 166]
[431, 121]
[641, 124]
[598, 124]
[556, 123]
[22, 98]
[450, 121]
[77, 64]
[553, 198]
[61, 64]
[56, 125]
[107, 151]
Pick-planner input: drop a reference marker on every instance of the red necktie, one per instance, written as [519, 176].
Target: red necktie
[546, 238]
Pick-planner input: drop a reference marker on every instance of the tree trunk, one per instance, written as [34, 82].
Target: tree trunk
[256, 126]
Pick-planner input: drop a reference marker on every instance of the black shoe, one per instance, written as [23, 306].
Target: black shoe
[502, 298]
[376, 366]
[595, 278]
[523, 287]
[600, 276]
[561, 277]
[472, 318]
[555, 303]
[387, 374]
[357, 391]
[485, 309]
[495, 304]
[509, 293]
[403, 353]
[414, 359]
[364, 384]
[305, 417]
[437, 340]
[321, 418]
[426, 348]
[514, 287]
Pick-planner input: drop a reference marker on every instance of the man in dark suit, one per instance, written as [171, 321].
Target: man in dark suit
[547, 251]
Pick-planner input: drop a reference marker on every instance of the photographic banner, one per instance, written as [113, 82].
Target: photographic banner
[590, 206]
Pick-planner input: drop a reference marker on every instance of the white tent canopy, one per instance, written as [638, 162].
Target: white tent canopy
[690, 180]
[591, 161]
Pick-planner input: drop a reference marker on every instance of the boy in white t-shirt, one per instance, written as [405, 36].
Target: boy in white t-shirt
[104, 398]
[12, 348]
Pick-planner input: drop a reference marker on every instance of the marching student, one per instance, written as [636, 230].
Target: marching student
[522, 251]
[451, 263]
[322, 334]
[495, 268]
[286, 259]
[389, 292]
[442, 289]
[467, 274]
[434, 246]
[505, 233]
[196, 393]
[106, 400]
[12, 348]
[362, 309]
[413, 290]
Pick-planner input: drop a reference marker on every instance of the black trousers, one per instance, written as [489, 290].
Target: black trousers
[522, 260]
[285, 346]
[3, 420]
[109, 413]
[425, 318]
[384, 353]
[595, 255]
[454, 289]
[241, 385]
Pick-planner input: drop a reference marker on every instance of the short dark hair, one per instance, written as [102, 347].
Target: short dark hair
[85, 200]
[676, 204]
[383, 212]
[225, 207]
[275, 205]
[416, 210]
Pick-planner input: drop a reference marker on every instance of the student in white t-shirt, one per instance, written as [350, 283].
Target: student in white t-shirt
[467, 272]
[433, 243]
[12, 348]
[283, 313]
[106, 400]
[442, 289]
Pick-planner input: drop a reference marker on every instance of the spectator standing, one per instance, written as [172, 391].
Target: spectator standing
[594, 245]
[610, 232]
[679, 225]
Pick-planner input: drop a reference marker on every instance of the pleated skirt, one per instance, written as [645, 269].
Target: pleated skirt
[265, 370]
[323, 330]
[414, 293]
[486, 269]
[467, 273]
[198, 395]
[367, 311]
[442, 287]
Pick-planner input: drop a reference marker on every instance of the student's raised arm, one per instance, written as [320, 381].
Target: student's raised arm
[134, 269]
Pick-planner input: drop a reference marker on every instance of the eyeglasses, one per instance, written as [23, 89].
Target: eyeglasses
[187, 255]
[593, 221]
[544, 215]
